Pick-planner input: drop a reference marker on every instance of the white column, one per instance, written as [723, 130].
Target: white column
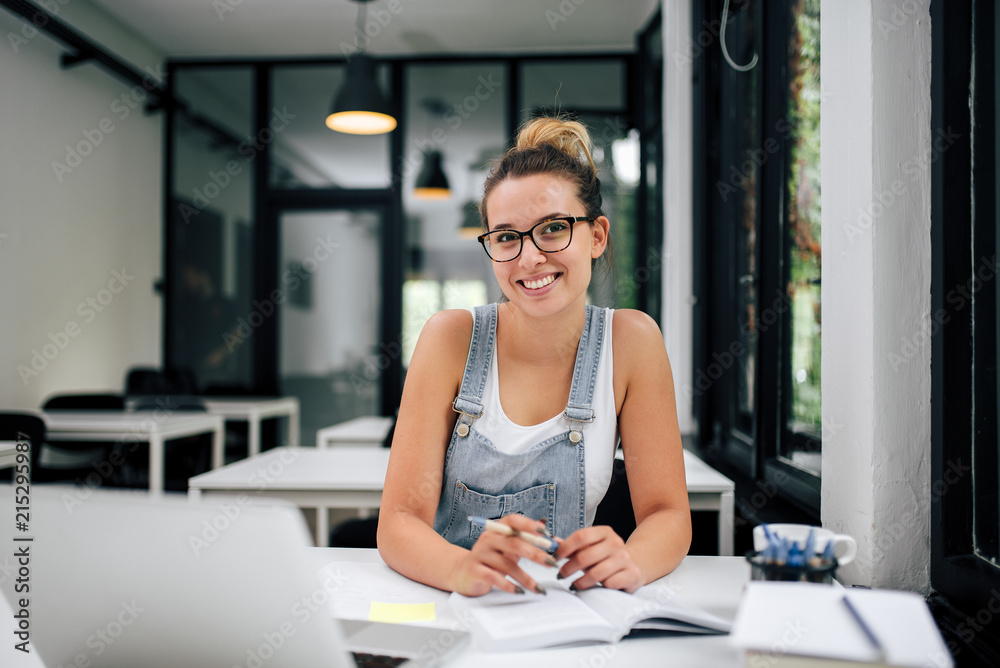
[678, 320]
[876, 142]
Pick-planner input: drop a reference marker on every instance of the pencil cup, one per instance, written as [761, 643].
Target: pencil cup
[763, 569]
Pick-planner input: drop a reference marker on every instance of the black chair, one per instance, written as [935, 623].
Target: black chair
[84, 402]
[23, 428]
[147, 381]
[76, 460]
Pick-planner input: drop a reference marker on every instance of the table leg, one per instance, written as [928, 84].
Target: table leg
[218, 446]
[322, 527]
[726, 538]
[293, 427]
[157, 453]
[253, 448]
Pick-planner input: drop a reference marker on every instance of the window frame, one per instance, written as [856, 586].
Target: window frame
[962, 44]
[753, 450]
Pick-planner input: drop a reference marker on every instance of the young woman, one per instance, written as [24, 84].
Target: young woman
[514, 410]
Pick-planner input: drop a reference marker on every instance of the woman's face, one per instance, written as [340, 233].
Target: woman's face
[536, 282]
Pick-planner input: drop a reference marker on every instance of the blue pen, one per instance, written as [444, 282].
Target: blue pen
[810, 550]
[547, 544]
[828, 551]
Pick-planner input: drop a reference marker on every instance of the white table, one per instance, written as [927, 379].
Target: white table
[710, 490]
[254, 411]
[369, 430]
[153, 427]
[707, 488]
[8, 453]
[344, 477]
[714, 584]
[352, 476]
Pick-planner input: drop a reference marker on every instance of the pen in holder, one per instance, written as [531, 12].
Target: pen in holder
[798, 552]
[762, 568]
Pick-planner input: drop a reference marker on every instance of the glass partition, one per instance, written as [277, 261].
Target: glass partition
[210, 227]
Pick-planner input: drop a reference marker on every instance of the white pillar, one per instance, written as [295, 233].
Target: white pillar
[876, 142]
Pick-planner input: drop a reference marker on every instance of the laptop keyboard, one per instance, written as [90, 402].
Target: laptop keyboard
[376, 660]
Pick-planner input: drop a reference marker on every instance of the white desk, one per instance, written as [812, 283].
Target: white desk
[8, 453]
[707, 488]
[253, 411]
[710, 490]
[344, 477]
[369, 430]
[352, 476]
[713, 584]
[151, 427]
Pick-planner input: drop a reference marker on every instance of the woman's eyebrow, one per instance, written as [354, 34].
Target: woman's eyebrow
[508, 226]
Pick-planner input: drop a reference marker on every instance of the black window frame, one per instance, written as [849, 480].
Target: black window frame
[750, 450]
[963, 224]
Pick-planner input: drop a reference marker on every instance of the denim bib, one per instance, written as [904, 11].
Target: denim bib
[548, 480]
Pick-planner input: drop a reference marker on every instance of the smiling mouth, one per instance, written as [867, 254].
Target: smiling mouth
[540, 283]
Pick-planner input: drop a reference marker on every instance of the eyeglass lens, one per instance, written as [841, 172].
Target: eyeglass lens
[550, 236]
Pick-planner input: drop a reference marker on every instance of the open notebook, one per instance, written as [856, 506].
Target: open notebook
[120, 579]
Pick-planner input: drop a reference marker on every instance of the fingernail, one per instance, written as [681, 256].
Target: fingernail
[542, 530]
[518, 590]
[572, 587]
[559, 576]
[551, 562]
[540, 589]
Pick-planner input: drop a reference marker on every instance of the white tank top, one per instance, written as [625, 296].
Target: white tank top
[600, 437]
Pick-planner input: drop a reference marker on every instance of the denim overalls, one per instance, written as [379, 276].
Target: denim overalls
[548, 480]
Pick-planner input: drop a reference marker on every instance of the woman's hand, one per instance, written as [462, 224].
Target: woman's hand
[495, 556]
[600, 553]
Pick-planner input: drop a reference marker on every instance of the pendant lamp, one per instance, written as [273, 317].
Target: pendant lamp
[360, 108]
[432, 183]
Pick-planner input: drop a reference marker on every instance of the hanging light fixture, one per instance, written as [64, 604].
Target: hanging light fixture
[432, 183]
[360, 108]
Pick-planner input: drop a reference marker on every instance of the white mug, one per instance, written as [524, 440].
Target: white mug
[845, 547]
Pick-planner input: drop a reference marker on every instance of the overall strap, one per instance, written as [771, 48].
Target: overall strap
[588, 359]
[469, 402]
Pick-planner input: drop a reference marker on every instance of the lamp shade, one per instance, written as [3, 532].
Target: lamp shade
[472, 222]
[432, 183]
[360, 108]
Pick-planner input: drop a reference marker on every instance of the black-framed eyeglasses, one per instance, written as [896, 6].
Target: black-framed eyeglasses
[550, 236]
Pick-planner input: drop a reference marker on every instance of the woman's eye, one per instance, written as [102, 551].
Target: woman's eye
[506, 237]
[555, 227]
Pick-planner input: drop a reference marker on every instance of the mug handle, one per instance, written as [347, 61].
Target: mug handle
[851, 550]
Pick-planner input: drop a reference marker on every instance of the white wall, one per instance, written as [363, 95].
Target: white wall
[678, 272]
[63, 236]
[876, 141]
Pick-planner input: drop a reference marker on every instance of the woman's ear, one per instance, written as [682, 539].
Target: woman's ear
[600, 231]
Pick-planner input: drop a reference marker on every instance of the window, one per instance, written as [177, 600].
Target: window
[965, 560]
[756, 382]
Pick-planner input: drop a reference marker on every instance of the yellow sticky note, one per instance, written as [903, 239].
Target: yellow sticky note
[401, 612]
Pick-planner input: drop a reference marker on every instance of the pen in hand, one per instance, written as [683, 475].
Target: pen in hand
[547, 544]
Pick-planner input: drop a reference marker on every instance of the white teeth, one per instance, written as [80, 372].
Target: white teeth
[540, 283]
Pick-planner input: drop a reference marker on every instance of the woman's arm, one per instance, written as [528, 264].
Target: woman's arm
[406, 537]
[654, 462]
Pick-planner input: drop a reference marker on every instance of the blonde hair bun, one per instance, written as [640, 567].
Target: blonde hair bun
[570, 137]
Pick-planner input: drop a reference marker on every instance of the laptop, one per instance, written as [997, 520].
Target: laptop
[124, 579]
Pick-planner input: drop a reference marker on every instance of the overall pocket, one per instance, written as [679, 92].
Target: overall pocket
[538, 502]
